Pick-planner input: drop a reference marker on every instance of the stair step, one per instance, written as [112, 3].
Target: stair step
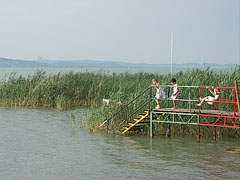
[142, 114]
[136, 126]
[137, 122]
[143, 121]
[147, 118]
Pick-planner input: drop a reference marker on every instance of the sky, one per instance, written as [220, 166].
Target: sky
[137, 31]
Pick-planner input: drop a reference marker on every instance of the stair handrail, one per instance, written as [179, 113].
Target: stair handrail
[125, 106]
[138, 108]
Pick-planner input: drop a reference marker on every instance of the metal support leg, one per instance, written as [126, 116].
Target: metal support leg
[198, 137]
[151, 124]
[214, 134]
[169, 130]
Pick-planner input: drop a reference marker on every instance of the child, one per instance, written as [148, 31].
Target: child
[216, 95]
[160, 93]
[176, 93]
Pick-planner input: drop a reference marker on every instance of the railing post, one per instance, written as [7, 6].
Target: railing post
[168, 96]
[237, 95]
[234, 105]
[189, 98]
[150, 97]
[200, 93]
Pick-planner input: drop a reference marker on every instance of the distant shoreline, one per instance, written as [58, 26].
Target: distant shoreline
[13, 63]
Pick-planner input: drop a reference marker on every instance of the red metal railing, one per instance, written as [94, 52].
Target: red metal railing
[223, 120]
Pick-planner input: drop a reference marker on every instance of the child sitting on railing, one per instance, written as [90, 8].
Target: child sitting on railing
[160, 94]
[176, 93]
[216, 95]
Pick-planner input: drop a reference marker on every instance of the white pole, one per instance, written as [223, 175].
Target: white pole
[171, 54]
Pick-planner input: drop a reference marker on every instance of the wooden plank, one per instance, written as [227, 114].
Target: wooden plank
[173, 110]
[237, 95]
[196, 111]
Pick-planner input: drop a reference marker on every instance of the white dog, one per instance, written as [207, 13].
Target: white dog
[108, 101]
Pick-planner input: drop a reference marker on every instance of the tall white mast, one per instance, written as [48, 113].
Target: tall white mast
[171, 54]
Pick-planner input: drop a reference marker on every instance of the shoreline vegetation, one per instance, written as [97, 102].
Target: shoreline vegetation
[85, 89]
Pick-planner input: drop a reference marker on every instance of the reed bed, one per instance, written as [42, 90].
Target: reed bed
[67, 90]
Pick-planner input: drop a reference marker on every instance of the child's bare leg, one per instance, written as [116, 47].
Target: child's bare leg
[202, 101]
[157, 101]
[174, 104]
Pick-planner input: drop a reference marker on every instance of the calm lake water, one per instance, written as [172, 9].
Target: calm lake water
[5, 72]
[41, 144]
[29, 71]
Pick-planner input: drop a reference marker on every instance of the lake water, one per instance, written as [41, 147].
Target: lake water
[41, 144]
[29, 71]
[5, 72]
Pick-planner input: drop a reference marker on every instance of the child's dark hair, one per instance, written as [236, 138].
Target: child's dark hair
[173, 80]
[155, 79]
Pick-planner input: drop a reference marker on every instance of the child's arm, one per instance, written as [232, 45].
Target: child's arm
[214, 94]
[153, 87]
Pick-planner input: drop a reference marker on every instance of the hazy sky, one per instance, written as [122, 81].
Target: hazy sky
[121, 30]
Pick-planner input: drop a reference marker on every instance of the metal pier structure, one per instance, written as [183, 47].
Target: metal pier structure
[224, 113]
